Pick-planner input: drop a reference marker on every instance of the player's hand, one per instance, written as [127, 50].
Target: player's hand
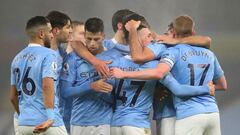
[132, 25]
[102, 68]
[211, 88]
[101, 86]
[117, 73]
[43, 126]
[167, 40]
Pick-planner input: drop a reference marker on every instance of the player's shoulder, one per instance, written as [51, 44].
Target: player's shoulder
[108, 43]
[150, 64]
[156, 44]
[179, 47]
[123, 60]
[44, 51]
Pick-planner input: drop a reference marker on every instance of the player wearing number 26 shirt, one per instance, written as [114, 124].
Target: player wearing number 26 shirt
[29, 67]
[33, 82]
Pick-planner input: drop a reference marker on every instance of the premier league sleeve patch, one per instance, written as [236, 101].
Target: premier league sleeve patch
[54, 66]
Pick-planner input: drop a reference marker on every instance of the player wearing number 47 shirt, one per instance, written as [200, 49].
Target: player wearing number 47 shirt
[33, 75]
[196, 66]
[133, 98]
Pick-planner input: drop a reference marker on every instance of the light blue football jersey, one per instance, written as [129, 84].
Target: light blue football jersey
[112, 43]
[28, 69]
[89, 107]
[193, 66]
[165, 108]
[132, 98]
[157, 49]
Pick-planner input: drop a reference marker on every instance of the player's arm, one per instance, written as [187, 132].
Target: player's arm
[87, 87]
[219, 78]
[167, 61]
[186, 90]
[221, 83]
[49, 74]
[82, 51]
[48, 99]
[139, 53]
[155, 73]
[195, 40]
[14, 98]
[48, 93]
[203, 41]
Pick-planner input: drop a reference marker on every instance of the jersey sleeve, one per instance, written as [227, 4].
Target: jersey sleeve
[108, 44]
[218, 72]
[13, 77]
[180, 90]
[170, 56]
[49, 66]
[157, 49]
[68, 72]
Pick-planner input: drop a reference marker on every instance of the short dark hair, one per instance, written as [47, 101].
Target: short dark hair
[35, 22]
[58, 19]
[94, 25]
[136, 17]
[118, 17]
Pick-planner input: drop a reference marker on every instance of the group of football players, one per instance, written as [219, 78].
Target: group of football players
[71, 80]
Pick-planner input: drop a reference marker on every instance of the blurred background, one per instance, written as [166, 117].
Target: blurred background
[218, 19]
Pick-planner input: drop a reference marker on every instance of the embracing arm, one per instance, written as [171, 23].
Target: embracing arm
[82, 51]
[203, 41]
[139, 53]
[186, 90]
[155, 73]
[195, 40]
[67, 90]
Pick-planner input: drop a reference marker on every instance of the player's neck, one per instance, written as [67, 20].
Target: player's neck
[36, 41]
[119, 38]
[101, 49]
[69, 48]
[54, 44]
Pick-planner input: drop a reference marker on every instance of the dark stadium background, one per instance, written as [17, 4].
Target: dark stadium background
[218, 19]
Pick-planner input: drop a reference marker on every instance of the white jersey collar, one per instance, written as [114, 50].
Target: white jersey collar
[114, 41]
[32, 44]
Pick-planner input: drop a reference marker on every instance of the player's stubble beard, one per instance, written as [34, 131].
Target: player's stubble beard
[47, 42]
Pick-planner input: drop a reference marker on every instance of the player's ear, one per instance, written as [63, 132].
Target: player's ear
[103, 35]
[174, 33]
[120, 26]
[41, 34]
[193, 32]
[55, 31]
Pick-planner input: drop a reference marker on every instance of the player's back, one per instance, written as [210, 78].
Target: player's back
[28, 69]
[112, 44]
[194, 66]
[133, 98]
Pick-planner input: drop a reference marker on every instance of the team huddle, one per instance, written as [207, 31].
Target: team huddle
[71, 80]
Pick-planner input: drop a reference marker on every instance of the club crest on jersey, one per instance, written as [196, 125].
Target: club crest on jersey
[65, 67]
[54, 66]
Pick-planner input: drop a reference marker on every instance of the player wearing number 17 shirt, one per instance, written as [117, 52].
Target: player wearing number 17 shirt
[33, 75]
[196, 66]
